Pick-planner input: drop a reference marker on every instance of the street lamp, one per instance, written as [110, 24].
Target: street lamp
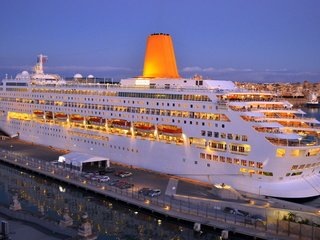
[259, 190]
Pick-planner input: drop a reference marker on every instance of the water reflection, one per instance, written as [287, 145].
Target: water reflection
[312, 112]
[46, 198]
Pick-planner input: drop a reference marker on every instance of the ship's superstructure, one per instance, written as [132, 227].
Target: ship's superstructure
[201, 129]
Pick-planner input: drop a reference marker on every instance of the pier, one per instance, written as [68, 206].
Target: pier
[203, 211]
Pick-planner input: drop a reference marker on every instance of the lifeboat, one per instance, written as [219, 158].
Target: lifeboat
[76, 118]
[38, 113]
[99, 121]
[120, 123]
[49, 115]
[170, 130]
[144, 127]
[60, 116]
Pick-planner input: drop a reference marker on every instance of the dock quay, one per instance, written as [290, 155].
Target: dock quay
[194, 209]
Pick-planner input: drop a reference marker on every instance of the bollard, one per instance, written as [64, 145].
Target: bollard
[197, 227]
[15, 205]
[4, 230]
[67, 220]
[224, 234]
[85, 229]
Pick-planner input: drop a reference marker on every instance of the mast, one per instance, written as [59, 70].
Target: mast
[38, 68]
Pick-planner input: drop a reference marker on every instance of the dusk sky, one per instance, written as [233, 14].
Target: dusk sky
[261, 40]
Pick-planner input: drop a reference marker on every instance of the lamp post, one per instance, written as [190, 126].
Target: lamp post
[259, 190]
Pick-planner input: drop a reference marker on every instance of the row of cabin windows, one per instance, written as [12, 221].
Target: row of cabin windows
[281, 152]
[230, 160]
[78, 139]
[294, 174]
[122, 115]
[187, 97]
[305, 166]
[88, 135]
[151, 111]
[229, 136]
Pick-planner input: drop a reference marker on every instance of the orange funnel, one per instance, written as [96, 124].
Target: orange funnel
[159, 61]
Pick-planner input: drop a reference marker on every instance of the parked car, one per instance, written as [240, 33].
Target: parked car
[113, 182]
[235, 211]
[255, 219]
[155, 193]
[144, 191]
[88, 176]
[123, 174]
[229, 210]
[119, 184]
[126, 186]
[241, 213]
[104, 179]
[95, 178]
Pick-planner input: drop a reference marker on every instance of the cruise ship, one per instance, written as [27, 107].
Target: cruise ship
[195, 128]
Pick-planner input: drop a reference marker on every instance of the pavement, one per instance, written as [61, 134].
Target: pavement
[172, 187]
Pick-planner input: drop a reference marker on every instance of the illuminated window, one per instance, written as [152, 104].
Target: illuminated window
[243, 162]
[202, 155]
[280, 152]
[259, 165]
[244, 138]
[208, 156]
[244, 170]
[234, 148]
[215, 157]
[313, 152]
[251, 164]
[295, 153]
[229, 160]
[236, 161]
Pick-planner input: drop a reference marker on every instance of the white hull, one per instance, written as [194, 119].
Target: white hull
[165, 158]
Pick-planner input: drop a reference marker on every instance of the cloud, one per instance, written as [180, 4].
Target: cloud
[207, 69]
[88, 68]
[70, 68]
[252, 75]
[192, 69]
